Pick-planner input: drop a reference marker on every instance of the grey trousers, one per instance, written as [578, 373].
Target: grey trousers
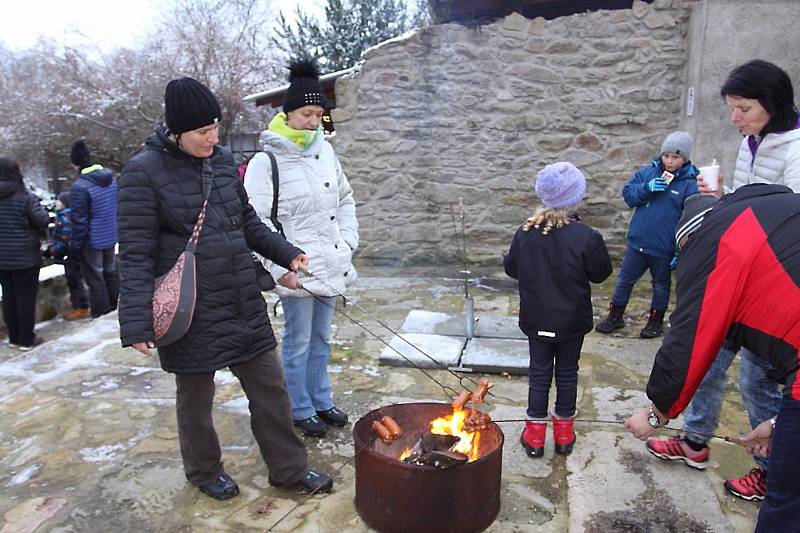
[270, 419]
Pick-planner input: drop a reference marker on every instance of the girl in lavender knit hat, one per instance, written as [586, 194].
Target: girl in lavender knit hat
[555, 257]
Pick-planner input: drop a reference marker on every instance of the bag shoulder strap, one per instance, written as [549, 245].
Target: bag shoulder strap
[207, 176]
[275, 190]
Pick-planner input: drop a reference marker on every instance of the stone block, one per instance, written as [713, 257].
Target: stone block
[538, 26]
[533, 73]
[563, 46]
[659, 20]
[640, 9]
[499, 327]
[424, 350]
[515, 22]
[495, 356]
[587, 141]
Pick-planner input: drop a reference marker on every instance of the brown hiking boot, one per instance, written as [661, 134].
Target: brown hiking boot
[76, 314]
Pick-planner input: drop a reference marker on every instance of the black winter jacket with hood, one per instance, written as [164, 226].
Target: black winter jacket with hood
[22, 219]
[554, 272]
[160, 196]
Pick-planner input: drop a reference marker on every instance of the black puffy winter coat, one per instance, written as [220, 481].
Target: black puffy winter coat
[22, 219]
[554, 272]
[160, 197]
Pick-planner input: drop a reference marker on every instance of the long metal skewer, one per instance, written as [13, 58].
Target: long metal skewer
[726, 438]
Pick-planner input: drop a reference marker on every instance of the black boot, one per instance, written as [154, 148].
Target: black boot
[653, 328]
[613, 321]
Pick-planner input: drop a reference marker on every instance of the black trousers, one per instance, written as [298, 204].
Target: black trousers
[564, 356]
[270, 420]
[77, 292]
[19, 303]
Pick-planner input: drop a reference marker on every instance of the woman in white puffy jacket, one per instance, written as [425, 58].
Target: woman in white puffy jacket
[317, 213]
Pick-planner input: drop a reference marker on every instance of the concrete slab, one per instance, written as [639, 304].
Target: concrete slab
[642, 493]
[498, 327]
[445, 351]
[495, 356]
[421, 321]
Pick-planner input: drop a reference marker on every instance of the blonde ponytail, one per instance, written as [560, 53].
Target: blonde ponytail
[549, 218]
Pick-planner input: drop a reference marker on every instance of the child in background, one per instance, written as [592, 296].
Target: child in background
[657, 191]
[555, 257]
[72, 265]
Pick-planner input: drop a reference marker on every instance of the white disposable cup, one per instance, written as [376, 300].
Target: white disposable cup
[710, 176]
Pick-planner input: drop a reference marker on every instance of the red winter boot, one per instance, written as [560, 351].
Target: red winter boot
[563, 434]
[533, 438]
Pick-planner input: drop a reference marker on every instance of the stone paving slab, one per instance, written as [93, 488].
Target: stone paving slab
[499, 327]
[445, 350]
[422, 321]
[496, 356]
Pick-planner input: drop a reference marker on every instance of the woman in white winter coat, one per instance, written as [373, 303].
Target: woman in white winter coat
[316, 211]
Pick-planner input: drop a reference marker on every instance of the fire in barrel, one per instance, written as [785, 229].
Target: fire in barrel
[435, 468]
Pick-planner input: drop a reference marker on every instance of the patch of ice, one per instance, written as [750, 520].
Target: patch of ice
[152, 401]
[108, 452]
[105, 383]
[139, 370]
[368, 370]
[238, 405]
[335, 369]
[24, 476]
[225, 377]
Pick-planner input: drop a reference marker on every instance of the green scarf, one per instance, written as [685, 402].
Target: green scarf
[302, 138]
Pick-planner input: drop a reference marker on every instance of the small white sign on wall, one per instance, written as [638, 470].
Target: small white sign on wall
[690, 101]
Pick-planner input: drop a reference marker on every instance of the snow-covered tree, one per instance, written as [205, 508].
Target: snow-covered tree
[349, 28]
[51, 95]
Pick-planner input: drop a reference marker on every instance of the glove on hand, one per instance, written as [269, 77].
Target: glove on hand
[657, 184]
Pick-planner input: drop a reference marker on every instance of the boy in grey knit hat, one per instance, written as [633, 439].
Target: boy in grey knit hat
[656, 192]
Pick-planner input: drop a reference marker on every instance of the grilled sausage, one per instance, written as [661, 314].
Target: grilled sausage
[393, 427]
[463, 398]
[480, 392]
[382, 432]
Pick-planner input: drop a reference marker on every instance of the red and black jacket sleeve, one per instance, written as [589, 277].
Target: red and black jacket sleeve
[738, 278]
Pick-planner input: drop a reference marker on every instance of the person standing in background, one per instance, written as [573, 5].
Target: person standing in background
[22, 219]
[59, 251]
[93, 198]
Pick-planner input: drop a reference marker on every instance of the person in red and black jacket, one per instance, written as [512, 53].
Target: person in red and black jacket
[738, 279]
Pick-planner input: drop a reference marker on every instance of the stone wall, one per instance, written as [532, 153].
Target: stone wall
[451, 112]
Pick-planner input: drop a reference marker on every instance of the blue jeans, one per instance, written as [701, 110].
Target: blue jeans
[564, 356]
[781, 507]
[760, 395]
[305, 352]
[634, 265]
[100, 273]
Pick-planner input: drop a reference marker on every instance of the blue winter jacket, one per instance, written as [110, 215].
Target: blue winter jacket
[652, 227]
[93, 200]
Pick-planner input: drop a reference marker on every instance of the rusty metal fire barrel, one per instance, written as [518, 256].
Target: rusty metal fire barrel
[392, 496]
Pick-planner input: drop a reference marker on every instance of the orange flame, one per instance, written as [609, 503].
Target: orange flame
[454, 425]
